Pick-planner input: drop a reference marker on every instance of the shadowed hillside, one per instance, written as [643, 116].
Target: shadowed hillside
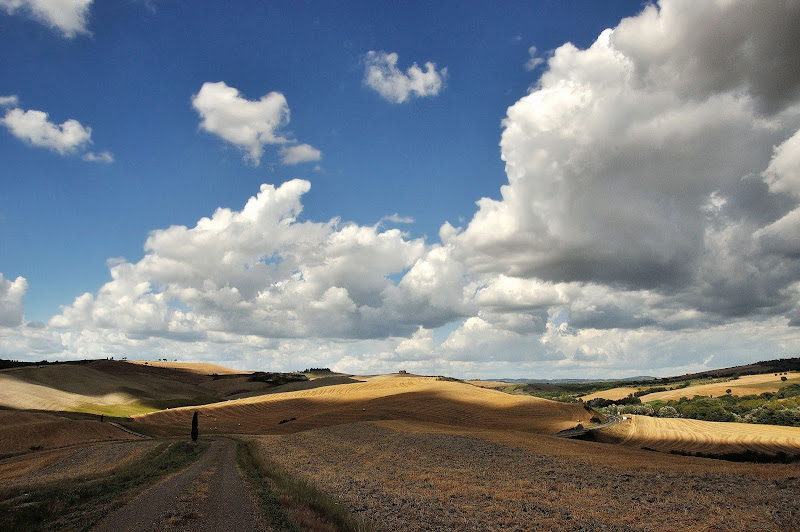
[122, 388]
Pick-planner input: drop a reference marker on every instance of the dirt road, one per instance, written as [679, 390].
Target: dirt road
[207, 496]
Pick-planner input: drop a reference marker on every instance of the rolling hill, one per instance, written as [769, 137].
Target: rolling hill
[425, 399]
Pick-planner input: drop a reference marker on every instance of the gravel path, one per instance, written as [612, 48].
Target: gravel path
[208, 495]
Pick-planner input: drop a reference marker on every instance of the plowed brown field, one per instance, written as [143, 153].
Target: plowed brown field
[23, 430]
[414, 477]
[402, 398]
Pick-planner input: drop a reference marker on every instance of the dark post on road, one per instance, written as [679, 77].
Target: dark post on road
[194, 427]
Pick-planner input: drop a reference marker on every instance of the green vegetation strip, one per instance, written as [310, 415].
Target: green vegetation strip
[274, 485]
[780, 408]
[78, 504]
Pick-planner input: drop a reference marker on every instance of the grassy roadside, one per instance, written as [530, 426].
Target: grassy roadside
[289, 503]
[78, 504]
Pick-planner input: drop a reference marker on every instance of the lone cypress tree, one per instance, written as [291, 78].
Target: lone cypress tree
[194, 427]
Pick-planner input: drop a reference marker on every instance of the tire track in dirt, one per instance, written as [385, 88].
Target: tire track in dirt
[208, 495]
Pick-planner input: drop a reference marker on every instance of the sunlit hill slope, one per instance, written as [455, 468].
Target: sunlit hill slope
[388, 398]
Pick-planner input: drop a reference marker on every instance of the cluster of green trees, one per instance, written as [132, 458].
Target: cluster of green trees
[780, 408]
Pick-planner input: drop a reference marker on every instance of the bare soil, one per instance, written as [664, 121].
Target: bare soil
[45, 466]
[426, 479]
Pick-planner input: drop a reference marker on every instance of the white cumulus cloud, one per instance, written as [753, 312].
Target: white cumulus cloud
[36, 128]
[258, 272]
[249, 124]
[300, 153]
[11, 293]
[649, 225]
[70, 17]
[382, 75]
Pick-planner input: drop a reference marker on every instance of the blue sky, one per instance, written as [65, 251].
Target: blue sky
[632, 203]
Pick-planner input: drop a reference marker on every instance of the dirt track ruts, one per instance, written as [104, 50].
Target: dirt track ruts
[208, 495]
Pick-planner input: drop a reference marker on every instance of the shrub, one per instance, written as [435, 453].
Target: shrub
[195, 432]
[793, 390]
[667, 411]
[600, 402]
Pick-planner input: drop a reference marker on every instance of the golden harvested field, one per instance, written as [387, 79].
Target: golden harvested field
[23, 430]
[404, 398]
[746, 385]
[201, 368]
[614, 394]
[405, 475]
[495, 385]
[708, 437]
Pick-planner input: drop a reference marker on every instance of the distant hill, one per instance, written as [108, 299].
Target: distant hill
[779, 365]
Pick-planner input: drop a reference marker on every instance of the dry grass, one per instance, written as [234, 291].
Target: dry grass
[707, 437]
[410, 398]
[404, 475]
[493, 385]
[746, 385]
[23, 430]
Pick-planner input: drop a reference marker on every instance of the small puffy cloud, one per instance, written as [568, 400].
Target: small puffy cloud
[397, 219]
[534, 60]
[70, 17]
[35, 128]
[300, 153]
[247, 124]
[102, 157]
[11, 293]
[9, 101]
[393, 85]
[250, 124]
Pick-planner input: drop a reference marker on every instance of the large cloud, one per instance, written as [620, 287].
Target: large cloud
[67, 16]
[249, 124]
[634, 165]
[260, 272]
[382, 75]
